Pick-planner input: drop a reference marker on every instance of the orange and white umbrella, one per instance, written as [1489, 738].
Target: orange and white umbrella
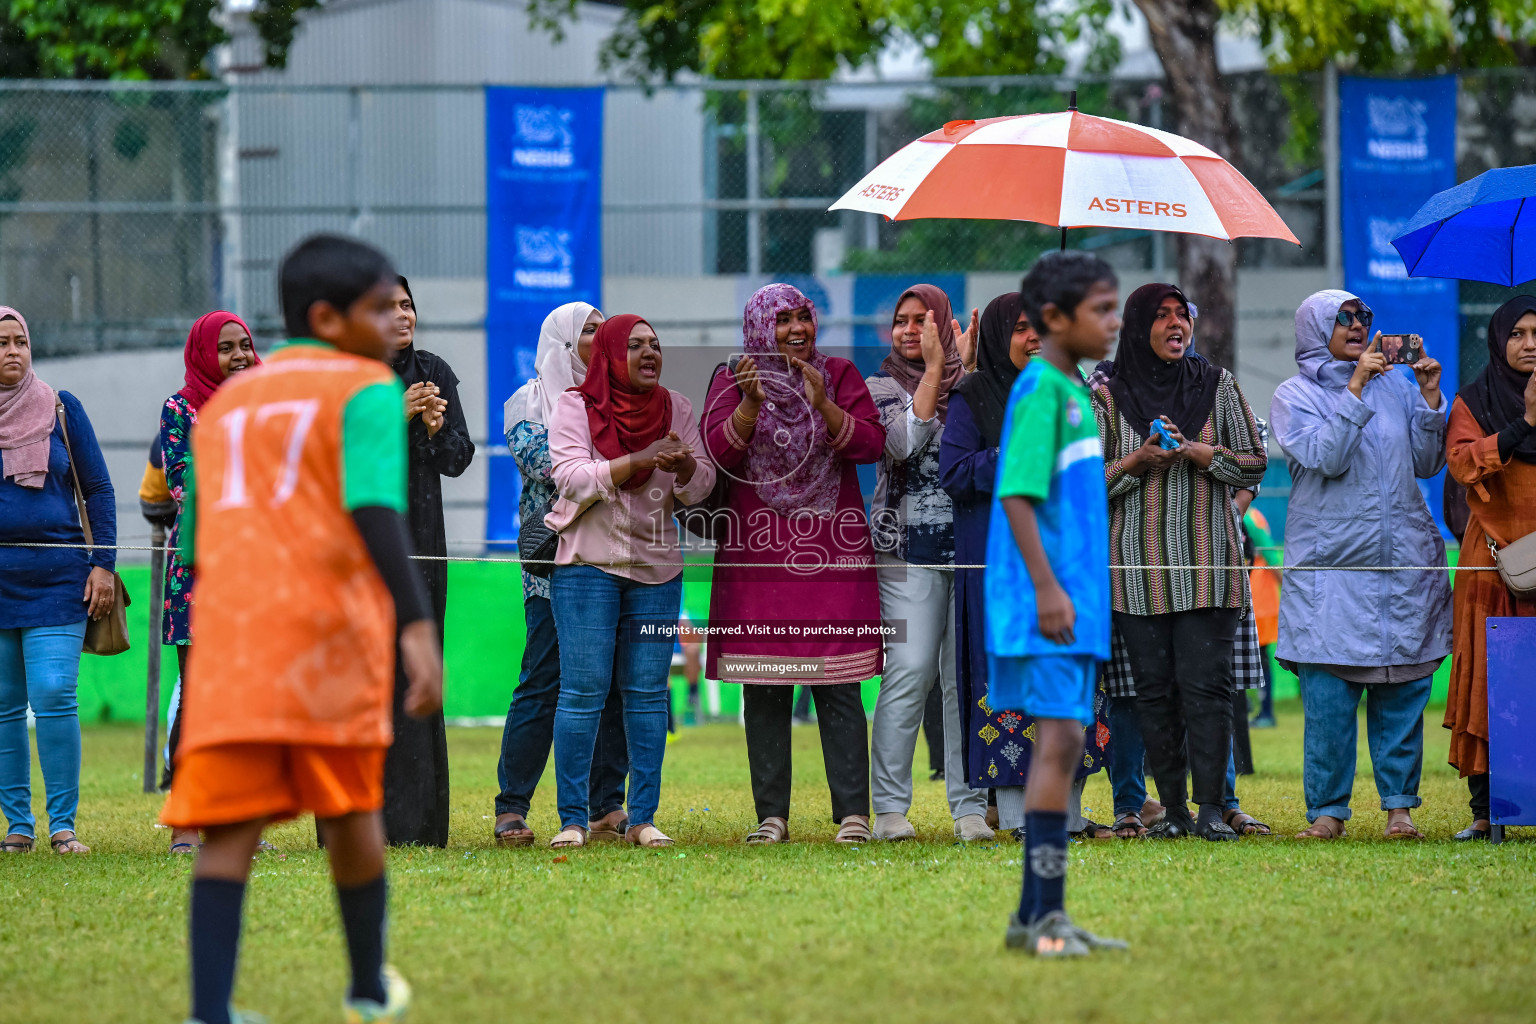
[1067, 169]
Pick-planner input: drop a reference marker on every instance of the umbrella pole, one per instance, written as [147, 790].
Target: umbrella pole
[1071, 105]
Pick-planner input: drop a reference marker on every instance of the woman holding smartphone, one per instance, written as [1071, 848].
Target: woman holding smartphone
[1359, 437]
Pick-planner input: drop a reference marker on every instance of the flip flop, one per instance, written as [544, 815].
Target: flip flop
[1403, 829]
[514, 833]
[1129, 826]
[1245, 824]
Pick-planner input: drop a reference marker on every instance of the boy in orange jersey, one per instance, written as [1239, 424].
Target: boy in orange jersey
[302, 558]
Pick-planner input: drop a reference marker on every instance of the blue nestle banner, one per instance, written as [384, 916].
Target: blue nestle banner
[1397, 148]
[544, 244]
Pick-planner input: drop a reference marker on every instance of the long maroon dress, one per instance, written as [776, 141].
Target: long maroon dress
[831, 596]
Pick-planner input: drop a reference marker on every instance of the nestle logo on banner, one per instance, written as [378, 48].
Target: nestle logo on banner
[544, 137]
[543, 258]
[1397, 128]
[1385, 264]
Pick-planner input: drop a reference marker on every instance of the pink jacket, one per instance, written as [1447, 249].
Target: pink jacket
[626, 533]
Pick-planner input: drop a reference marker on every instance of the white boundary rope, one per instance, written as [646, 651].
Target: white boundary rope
[803, 567]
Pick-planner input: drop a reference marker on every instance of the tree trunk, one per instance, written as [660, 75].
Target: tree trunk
[1184, 36]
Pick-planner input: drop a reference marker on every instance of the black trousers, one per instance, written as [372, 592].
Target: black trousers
[1477, 786]
[1182, 663]
[844, 746]
[168, 773]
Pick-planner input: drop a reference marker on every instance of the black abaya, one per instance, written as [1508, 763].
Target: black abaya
[416, 768]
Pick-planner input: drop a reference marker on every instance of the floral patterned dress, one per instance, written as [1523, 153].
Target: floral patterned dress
[177, 418]
[529, 442]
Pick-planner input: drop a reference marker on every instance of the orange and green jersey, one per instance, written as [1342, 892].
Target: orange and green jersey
[294, 629]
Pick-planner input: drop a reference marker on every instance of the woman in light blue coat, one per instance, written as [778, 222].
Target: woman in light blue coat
[1358, 435]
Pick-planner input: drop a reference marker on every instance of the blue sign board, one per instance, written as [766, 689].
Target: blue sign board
[544, 244]
[1397, 148]
[1511, 720]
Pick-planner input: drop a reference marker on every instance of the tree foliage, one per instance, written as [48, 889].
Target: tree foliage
[809, 39]
[812, 39]
[130, 39]
[1391, 36]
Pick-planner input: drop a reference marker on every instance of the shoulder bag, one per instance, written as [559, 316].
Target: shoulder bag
[1517, 564]
[108, 634]
[536, 543]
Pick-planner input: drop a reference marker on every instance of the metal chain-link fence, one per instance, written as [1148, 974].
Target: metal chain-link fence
[128, 209]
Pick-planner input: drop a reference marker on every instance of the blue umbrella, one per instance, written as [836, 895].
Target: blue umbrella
[1481, 230]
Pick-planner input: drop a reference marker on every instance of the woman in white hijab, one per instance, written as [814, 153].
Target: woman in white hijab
[565, 343]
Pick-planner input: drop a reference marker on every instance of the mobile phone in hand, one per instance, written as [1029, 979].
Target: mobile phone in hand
[1403, 349]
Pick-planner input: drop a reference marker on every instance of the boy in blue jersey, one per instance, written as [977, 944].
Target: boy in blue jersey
[1047, 579]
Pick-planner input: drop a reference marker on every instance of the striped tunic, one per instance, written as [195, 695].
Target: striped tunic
[1181, 515]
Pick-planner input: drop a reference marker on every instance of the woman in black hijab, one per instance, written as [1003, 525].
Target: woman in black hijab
[1174, 508]
[416, 767]
[1491, 451]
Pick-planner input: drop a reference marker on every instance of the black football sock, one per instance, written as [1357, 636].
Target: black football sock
[1045, 858]
[1210, 814]
[213, 943]
[1030, 891]
[362, 915]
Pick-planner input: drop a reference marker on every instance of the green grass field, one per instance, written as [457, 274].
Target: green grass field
[1262, 930]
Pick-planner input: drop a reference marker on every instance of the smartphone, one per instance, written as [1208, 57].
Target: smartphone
[1164, 438]
[1405, 349]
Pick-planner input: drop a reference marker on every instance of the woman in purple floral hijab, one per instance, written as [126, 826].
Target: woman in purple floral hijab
[788, 426]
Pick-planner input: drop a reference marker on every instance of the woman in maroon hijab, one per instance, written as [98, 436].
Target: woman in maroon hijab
[624, 452]
[218, 345]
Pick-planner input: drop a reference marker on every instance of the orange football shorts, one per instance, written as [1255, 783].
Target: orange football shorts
[235, 782]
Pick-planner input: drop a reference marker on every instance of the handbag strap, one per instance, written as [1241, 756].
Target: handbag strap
[85, 520]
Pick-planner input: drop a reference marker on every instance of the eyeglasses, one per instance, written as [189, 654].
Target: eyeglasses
[1344, 318]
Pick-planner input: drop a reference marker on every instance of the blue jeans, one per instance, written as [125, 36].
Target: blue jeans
[612, 629]
[1127, 757]
[530, 728]
[40, 666]
[1394, 723]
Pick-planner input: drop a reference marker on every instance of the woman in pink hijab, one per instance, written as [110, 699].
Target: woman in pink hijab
[795, 599]
[47, 593]
[219, 344]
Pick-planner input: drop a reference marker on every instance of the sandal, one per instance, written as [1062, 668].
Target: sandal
[1471, 834]
[1246, 824]
[70, 844]
[183, 848]
[610, 828]
[772, 830]
[853, 829]
[1129, 826]
[1320, 829]
[513, 833]
[570, 837]
[1217, 832]
[1167, 829]
[1403, 828]
[21, 844]
[647, 835]
[1093, 830]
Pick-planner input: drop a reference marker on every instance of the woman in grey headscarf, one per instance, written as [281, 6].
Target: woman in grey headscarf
[1359, 436]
